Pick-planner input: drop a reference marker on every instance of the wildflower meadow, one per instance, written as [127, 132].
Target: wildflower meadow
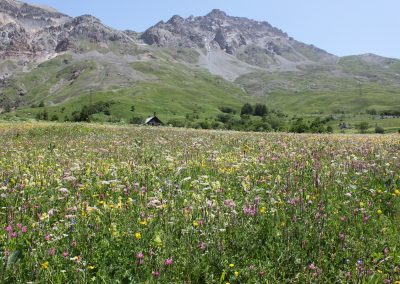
[85, 203]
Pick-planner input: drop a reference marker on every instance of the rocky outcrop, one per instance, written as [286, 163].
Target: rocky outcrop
[30, 32]
[233, 35]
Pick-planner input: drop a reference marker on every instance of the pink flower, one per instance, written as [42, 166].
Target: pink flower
[202, 246]
[9, 228]
[65, 254]
[24, 229]
[47, 237]
[52, 251]
[155, 274]
[249, 210]
[229, 203]
[140, 255]
[168, 261]
[13, 234]
[19, 225]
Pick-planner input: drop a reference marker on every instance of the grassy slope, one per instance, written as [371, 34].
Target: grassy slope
[172, 86]
[321, 92]
[171, 89]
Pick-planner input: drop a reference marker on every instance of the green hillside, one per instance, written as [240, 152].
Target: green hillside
[166, 86]
[168, 82]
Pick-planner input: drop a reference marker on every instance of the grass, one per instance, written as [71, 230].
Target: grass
[308, 93]
[169, 88]
[165, 81]
[95, 203]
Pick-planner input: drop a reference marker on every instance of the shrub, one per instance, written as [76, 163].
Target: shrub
[246, 109]
[227, 109]
[362, 126]
[224, 117]
[260, 110]
[379, 129]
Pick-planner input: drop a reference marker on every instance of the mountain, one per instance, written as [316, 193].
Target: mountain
[255, 43]
[179, 68]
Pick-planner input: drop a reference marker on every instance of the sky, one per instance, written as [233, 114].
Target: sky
[341, 27]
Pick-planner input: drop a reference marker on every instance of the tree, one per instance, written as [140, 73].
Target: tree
[299, 126]
[227, 109]
[260, 110]
[362, 126]
[379, 129]
[246, 109]
[45, 115]
[317, 126]
[224, 117]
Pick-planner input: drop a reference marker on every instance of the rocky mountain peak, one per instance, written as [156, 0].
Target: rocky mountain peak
[28, 32]
[216, 13]
[256, 43]
[87, 19]
[176, 20]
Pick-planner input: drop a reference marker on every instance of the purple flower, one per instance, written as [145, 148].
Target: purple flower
[168, 261]
[52, 251]
[250, 210]
[229, 203]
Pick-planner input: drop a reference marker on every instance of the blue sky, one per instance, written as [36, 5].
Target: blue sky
[342, 27]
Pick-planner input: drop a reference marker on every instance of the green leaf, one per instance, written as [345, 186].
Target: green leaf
[222, 277]
[13, 258]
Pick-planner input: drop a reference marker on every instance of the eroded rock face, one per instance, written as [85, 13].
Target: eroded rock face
[28, 32]
[234, 35]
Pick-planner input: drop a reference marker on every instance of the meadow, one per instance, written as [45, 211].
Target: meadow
[85, 203]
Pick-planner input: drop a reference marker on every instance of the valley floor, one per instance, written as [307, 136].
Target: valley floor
[96, 203]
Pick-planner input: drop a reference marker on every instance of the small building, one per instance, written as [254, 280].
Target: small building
[153, 121]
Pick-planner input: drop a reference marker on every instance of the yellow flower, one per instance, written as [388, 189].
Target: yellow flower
[91, 267]
[231, 265]
[236, 274]
[45, 265]
[263, 210]
[362, 204]
[379, 211]
[158, 241]
[397, 192]
[143, 222]
[195, 224]
[138, 236]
